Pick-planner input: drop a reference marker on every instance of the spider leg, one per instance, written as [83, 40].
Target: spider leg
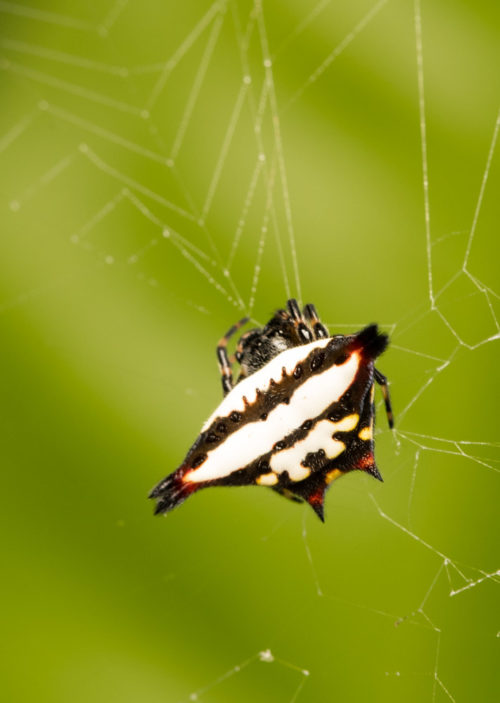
[303, 331]
[223, 359]
[238, 354]
[384, 385]
[319, 329]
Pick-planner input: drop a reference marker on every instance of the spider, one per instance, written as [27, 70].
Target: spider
[299, 415]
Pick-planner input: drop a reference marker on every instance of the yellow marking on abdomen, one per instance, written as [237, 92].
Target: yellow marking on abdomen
[366, 433]
[347, 423]
[332, 475]
[269, 479]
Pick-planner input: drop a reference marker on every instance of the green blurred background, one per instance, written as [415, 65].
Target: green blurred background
[116, 129]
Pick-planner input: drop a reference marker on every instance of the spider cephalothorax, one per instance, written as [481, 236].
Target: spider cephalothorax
[300, 415]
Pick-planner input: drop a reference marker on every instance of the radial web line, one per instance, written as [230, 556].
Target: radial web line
[484, 180]
[410, 437]
[67, 86]
[196, 216]
[181, 244]
[61, 57]
[245, 209]
[472, 584]
[258, 111]
[423, 145]
[419, 611]
[406, 530]
[233, 121]
[265, 656]
[438, 370]
[418, 353]
[134, 185]
[488, 294]
[78, 236]
[238, 302]
[447, 561]
[44, 180]
[33, 13]
[317, 585]
[261, 108]
[301, 26]
[195, 90]
[66, 116]
[167, 231]
[412, 486]
[318, 72]
[16, 131]
[196, 695]
[111, 17]
[262, 240]
[278, 142]
[188, 42]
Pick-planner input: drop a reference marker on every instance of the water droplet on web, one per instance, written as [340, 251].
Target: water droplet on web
[266, 656]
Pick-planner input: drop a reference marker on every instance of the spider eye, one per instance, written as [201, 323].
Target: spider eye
[320, 331]
[235, 416]
[305, 333]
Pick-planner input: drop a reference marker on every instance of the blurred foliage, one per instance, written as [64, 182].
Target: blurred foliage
[111, 157]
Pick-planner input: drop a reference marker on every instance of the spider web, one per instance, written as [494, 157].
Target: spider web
[167, 170]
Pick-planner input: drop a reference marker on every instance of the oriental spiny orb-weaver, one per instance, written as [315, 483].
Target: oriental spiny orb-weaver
[299, 415]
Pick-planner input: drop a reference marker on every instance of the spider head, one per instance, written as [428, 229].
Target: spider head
[258, 346]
